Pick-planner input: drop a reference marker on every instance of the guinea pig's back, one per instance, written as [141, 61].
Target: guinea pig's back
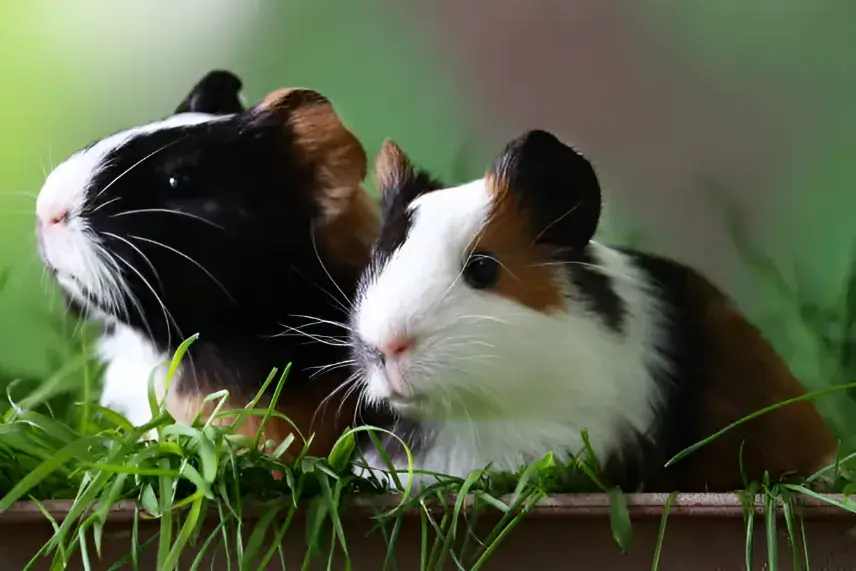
[723, 370]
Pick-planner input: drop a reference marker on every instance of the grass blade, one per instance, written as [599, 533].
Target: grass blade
[661, 534]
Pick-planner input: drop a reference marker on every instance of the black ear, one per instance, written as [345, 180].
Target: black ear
[218, 93]
[555, 187]
[398, 180]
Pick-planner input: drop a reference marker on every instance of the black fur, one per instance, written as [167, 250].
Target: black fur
[217, 93]
[596, 289]
[395, 217]
[555, 185]
[559, 191]
[685, 349]
[243, 209]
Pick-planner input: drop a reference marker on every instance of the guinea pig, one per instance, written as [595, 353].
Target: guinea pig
[497, 329]
[247, 226]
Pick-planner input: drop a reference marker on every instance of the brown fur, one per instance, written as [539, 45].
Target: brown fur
[321, 140]
[391, 166]
[527, 277]
[345, 231]
[325, 424]
[349, 221]
[744, 374]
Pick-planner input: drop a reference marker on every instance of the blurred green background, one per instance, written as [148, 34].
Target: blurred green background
[778, 73]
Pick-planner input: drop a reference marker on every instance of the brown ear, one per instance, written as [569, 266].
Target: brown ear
[392, 167]
[322, 141]
[399, 181]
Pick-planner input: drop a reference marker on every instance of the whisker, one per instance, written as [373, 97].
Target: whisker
[482, 317]
[470, 422]
[338, 303]
[553, 223]
[353, 388]
[166, 211]
[313, 337]
[304, 334]
[167, 316]
[100, 206]
[324, 369]
[319, 321]
[189, 259]
[129, 295]
[323, 267]
[140, 252]
[324, 401]
[136, 164]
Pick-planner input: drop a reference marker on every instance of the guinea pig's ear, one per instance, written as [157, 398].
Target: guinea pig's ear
[398, 180]
[553, 186]
[318, 139]
[217, 93]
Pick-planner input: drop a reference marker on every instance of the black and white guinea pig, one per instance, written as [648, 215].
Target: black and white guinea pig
[498, 330]
[228, 222]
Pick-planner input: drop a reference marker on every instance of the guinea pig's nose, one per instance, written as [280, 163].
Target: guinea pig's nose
[396, 347]
[54, 218]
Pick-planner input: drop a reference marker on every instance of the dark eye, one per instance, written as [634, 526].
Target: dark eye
[178, 182]
[481, 270]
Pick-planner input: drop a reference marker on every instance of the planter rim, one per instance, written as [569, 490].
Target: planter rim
[567, 506]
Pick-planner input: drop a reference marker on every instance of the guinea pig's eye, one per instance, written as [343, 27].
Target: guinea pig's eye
[177, 181]
[481, 270]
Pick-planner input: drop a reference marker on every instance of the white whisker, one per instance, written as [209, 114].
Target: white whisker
[168, 320]
[189, 259]
[166, 211]
[319, 321]
[140, 252]
[136, 164]
[100, 206]
[351, 379]
[553, 223]
[323, 267]
[338, 303]
[313, 337]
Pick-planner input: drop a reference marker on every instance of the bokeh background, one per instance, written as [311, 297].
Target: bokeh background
[683, 106]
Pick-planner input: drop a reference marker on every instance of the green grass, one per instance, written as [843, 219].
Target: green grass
[54, 445]
[57, 443]
[95, 458]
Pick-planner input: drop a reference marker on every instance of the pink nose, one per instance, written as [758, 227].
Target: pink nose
[397, 347]
[55, 219]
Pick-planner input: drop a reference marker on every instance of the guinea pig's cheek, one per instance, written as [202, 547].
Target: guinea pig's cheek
[377, 385]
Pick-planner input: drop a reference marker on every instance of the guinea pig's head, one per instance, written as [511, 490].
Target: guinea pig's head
[467, 291]
[215, 214]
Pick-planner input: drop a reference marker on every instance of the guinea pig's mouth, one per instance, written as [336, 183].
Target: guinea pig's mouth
[401, 401]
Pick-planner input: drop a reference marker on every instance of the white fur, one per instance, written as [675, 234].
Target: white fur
[131, 362]
[500, 383]
[84, 266]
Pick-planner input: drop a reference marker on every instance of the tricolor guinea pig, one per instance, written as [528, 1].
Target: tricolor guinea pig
[235, 223]
[498, 330]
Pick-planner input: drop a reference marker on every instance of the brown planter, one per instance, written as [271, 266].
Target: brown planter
[705, 532]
